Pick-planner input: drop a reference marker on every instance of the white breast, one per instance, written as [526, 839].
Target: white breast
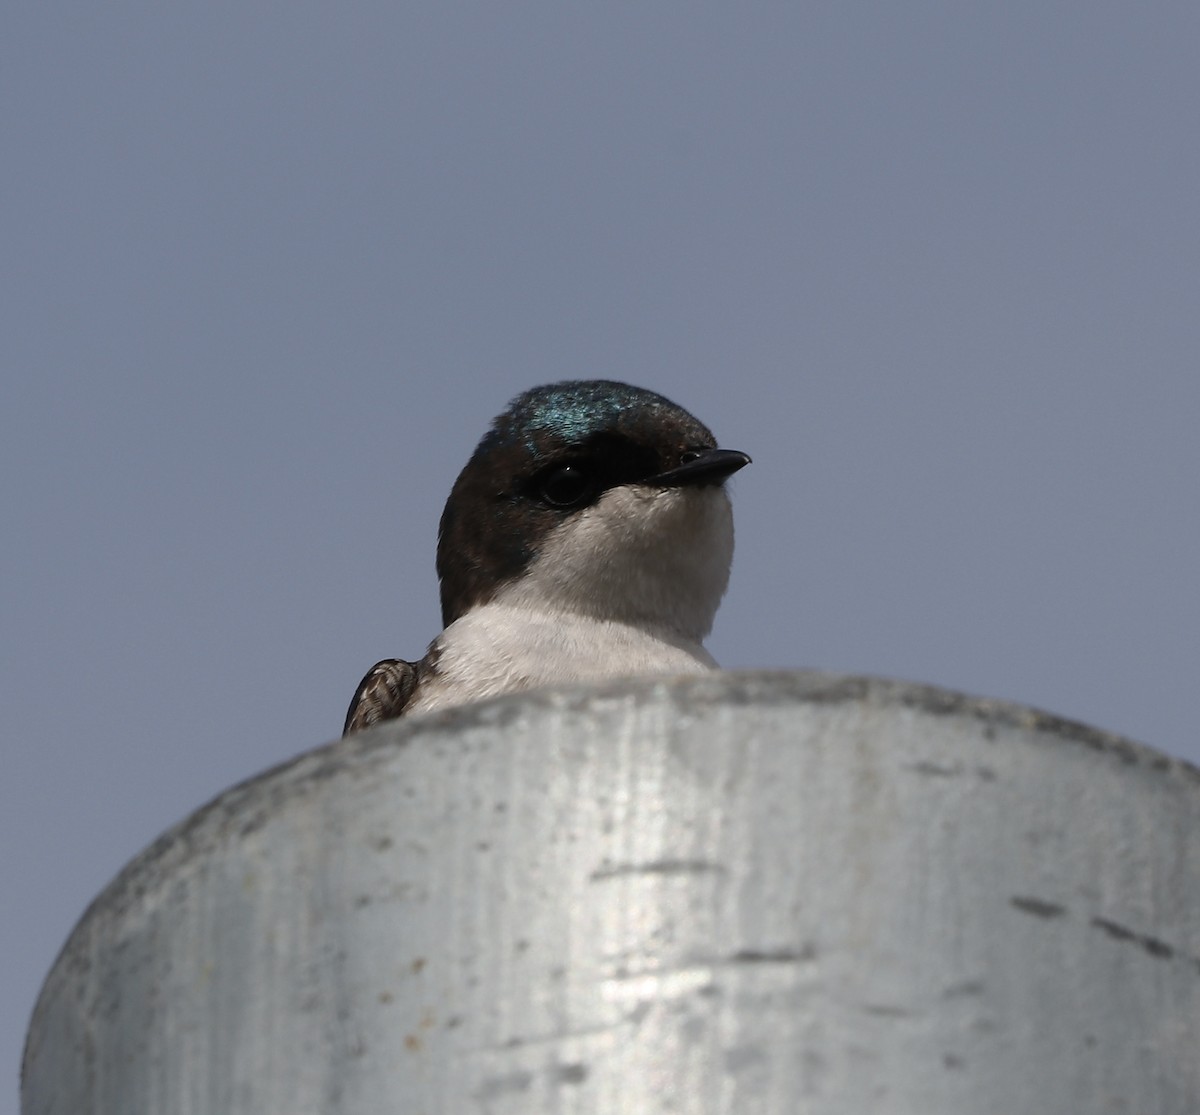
[498, 649]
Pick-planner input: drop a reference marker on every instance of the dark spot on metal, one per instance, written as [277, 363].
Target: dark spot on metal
[934, 771]
[1157, 948]
[412, 1043]
[1117, 932]
[887, 1010]
[638, 1014]
[742, 1057]
[1037, 907]
[952, 1061]
[416, 966]
[986, 774]
[495, 1086]
[657, 867]
[1160, 950]
[802, 955]
[695, 1027]
[574, 1073]
[253, 823]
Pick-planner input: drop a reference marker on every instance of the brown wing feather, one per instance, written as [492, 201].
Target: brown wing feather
[382, 695]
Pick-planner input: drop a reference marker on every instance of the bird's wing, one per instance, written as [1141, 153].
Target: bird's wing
[382, 695]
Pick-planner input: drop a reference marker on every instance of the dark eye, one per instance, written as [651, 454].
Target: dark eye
[566, 486]
[689, 455]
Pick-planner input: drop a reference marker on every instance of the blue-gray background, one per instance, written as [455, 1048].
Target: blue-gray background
[269, 269]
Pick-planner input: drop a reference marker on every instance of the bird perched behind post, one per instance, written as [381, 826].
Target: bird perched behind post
[589, 536]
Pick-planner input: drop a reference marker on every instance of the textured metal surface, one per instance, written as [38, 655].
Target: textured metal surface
[757, 893]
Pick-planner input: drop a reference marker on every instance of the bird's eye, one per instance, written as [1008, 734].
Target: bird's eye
[566, 486]
[689, 455]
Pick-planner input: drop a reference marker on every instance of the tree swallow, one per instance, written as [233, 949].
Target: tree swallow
[589, 536]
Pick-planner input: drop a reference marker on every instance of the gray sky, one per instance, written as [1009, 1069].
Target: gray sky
[269, 270]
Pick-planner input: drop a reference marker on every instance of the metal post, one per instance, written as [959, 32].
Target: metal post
[768, 893]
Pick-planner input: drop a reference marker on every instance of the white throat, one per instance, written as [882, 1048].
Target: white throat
[627, 587]
[653, 558]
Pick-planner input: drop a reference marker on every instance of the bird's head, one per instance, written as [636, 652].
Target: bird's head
[597, 498]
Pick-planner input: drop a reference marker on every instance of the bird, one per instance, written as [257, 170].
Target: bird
[589, 536]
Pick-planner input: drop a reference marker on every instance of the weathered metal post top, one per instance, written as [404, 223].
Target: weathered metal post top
[768, 893]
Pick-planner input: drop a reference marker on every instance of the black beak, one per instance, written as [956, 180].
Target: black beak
[709, 466]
